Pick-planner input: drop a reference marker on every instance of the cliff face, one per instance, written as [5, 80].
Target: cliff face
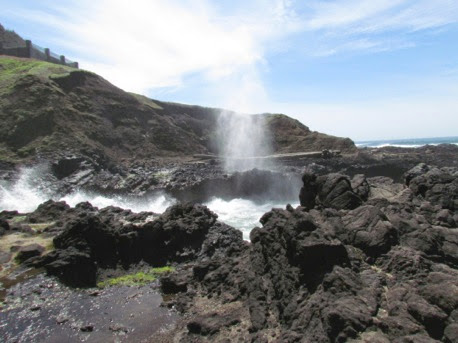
[47, 109]
[290, 135]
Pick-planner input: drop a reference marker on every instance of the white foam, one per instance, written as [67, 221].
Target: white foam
[30, 190]
[383, 145]
[25, 194]
[157, 203]
[242, 214]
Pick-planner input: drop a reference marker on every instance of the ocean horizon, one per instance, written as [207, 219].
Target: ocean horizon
[407, 142]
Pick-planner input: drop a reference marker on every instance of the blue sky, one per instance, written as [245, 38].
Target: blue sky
[372, 69]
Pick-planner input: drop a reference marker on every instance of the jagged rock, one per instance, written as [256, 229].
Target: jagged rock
[66, 166]
[361, 186]
[211, 323]
[4, 226]
[368, 228]
[48, 211]
[176, 283]
[439, 186]
[308, 191]
[384, 187]
[29, 251]
[334, 190]
[72, 266]
[383, 271]
[418, 170]
[100, 238]
[451, 333]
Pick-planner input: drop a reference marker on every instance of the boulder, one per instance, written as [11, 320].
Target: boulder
[368, 228]
[335, 191]
[4, 226]
[74, 267]
[29, 251]
[308, 191]
[437, 185]
[48, 211]
[361, 186]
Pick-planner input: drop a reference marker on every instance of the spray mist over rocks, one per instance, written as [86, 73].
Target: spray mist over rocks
[243, 141]
[34, 186]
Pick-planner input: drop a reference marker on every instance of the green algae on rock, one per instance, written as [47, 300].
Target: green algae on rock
[136, 279]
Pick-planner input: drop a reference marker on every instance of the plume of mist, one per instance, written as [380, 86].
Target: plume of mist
[243, 141]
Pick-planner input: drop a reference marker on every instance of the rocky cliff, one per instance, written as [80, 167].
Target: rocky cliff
[47, 110]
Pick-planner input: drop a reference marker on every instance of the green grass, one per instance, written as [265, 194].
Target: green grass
[146, 101]
[11, 69]
[49, 246]
[40, 226]
[137, 279]
[18, 219]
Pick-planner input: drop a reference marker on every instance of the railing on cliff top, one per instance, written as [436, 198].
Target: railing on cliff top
[34, 51]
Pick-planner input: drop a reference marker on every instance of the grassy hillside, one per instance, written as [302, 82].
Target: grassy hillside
[48, 109]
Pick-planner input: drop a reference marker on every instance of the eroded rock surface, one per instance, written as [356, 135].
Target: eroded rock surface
[363, 260]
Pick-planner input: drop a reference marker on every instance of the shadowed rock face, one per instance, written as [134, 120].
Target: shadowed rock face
[383, 269]
[332, 190]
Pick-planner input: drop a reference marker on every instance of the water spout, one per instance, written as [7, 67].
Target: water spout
[243, 141]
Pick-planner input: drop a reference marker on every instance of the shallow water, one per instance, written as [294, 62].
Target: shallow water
[42, 310]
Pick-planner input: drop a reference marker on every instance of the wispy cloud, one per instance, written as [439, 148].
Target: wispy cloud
[353, 16]
[141, 44]
[370, 25]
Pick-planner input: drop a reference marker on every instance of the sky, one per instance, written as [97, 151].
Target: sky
[364, 69]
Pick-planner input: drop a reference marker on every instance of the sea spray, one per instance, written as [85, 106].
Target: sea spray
[27, 192]
[35, 186]
[157, 202]
[243, 214]
[243, 141]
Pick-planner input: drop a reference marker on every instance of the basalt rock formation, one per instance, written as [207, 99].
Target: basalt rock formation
[364, 259]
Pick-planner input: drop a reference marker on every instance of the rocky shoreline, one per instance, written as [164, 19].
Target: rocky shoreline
[179, 176]
[363, 259]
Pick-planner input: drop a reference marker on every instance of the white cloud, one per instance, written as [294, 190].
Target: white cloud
[140, 45]
[353, 16]
[386, 24]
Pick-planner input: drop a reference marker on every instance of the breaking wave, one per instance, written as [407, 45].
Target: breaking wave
[30, 190]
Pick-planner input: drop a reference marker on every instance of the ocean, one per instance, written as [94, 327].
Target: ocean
[408, 142]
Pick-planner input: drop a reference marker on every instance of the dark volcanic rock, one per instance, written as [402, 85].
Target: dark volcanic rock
[4, 226]
[48, 211]
[439, 186]
[212, 323]
[366, 260]
[29, 251]
[110, 237]
[368, 229]
[72, 266]
[308, 191]
[334, 190]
